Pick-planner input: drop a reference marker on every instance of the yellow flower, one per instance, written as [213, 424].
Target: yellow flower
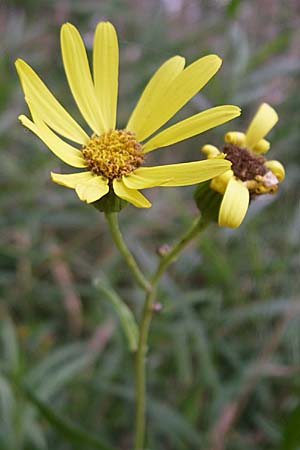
[251, 174]
[112, 157]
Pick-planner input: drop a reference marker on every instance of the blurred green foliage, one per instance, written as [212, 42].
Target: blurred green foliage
[224, 355]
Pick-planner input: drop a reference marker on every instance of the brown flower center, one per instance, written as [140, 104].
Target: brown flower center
[113, 154]
[245, 165]
[250, 168]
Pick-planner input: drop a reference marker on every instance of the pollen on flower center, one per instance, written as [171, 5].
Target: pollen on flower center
[113, 154]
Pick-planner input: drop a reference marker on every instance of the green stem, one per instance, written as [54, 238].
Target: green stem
[112, 220]
[140, 362]
[196, 227]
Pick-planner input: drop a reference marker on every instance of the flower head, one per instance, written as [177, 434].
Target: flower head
[251, 174]
[112, 157]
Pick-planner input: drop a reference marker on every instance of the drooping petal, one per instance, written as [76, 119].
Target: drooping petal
[143, 120]
[263, 121]
[79, 77]
[46, 105]
[131, 195]
[71, 180]
[92, 189]
[184, 174]
[182, 88]
[106, 67]
[234, 204]
[61, 149]
[196, 124]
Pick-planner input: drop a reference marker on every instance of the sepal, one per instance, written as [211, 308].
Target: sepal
[208, 201]
[110, 203]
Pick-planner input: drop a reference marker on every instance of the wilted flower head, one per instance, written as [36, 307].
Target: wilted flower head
[113, 157]
[251, 174]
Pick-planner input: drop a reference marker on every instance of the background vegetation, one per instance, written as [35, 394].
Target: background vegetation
[224, 356]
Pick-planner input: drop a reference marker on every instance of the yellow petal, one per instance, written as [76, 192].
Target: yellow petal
[106, 66]
[71, 180]
[220, 182]
[92, 189]
[263, 121]
[183, 174]
[236, 138]
[210, 151]
[262, 146]
[276, 168]
[131, 195]
[79, 77]
[234, 204]
[143, 120]
[61, 149]
[46, 105]
[193, 125]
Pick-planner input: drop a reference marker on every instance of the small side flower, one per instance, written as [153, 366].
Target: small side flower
[226, 197]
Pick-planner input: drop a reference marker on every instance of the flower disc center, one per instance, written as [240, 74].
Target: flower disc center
[113, 154]
[251, 168]
[245, 165]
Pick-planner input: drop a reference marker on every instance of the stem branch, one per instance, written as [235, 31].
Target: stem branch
[146, 316]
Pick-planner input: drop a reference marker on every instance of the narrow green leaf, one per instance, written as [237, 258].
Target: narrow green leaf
[68, 430]
[291, 431]
[232, 7]
[125, 315]
[11, 357]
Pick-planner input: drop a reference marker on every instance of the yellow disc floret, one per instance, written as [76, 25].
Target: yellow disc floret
[113, 154]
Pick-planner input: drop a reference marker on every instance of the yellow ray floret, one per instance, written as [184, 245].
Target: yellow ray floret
[263, 121]
[234, 204]
[131, 195]
[106, 71]
[61, 149]
[145, 117]
[79, 77]
[46, 105]
[192, 126]
[179, 92]
[183, 174]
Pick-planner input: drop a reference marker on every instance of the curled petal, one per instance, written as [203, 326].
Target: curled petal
[220, 182]
[276, 168]
[235, 138]
[262, 146]
[210, 151]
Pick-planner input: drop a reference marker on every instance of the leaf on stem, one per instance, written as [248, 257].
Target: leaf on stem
[125, 315]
